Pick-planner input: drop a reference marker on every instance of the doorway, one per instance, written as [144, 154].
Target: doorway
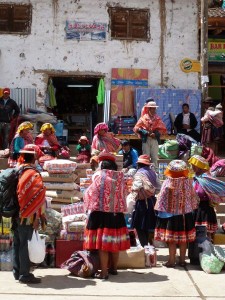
[77, 105]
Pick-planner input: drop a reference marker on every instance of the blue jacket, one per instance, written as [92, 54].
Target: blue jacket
[129, 158]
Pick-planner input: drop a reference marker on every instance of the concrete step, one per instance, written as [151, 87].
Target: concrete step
[219, 238]
[221, 208]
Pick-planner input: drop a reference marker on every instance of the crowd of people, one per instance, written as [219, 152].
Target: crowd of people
[168, 211]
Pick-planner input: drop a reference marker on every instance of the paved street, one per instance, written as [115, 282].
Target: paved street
[150, 283]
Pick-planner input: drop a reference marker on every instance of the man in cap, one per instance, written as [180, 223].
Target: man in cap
[8, 110]
[149, 127]
[31, 199]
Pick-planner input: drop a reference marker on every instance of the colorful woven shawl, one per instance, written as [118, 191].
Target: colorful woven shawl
[31, 193]
[107, 142]
[150, 124]
[52, 140]
[107, 192]
[177, 196]
[214, 188]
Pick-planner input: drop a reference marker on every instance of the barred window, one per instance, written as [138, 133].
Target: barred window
[129, 24]
[15, 18]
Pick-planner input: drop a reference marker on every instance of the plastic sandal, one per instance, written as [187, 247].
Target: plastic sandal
[169, 265]
[113, 272]
[99, 276]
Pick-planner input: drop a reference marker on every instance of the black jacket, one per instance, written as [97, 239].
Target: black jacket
[178, 123]
[8, 111]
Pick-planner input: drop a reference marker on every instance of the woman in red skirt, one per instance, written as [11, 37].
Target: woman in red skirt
[175, 205]
[106, 229]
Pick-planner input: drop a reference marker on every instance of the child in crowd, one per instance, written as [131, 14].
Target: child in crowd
[84, 150]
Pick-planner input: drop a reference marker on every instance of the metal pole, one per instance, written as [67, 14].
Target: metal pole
[204, 48]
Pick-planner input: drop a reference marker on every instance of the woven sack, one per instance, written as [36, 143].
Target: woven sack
[132, 258]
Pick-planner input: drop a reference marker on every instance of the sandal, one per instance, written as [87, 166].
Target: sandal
[113, 272]
[169, 265]
[182, 264]
[99, 276]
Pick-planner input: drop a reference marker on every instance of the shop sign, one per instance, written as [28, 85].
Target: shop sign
[216, 50]
[189, 65]
[86, 31]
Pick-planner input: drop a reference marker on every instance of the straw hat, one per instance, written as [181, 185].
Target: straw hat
[144, 159]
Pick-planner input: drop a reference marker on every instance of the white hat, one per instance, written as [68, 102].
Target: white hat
[219, 106]
[151, 104]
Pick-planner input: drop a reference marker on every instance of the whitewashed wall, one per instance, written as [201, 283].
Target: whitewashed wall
[25, 60]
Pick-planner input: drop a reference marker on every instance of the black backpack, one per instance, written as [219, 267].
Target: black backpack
[9, 205]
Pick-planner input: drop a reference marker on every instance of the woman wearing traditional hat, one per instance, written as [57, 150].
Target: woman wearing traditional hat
[106, 229]
[175, 205]
[103, 140]
[47, 140]
[84, 150]
[21, 138]
[143, 190]
[149, 127]
[210, 190]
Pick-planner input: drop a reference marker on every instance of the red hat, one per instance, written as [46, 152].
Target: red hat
[144, 159]
[106, 156]
[32, 149]
[6, 91]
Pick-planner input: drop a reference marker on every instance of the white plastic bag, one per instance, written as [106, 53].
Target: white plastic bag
[36, 248]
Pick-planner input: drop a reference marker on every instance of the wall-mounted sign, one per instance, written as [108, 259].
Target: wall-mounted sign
[86, 31]
[189, 65]
[216, 50]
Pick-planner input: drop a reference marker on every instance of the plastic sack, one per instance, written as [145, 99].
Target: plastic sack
[208, 261]
[36, 248]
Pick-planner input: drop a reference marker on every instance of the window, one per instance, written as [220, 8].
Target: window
[15, 18]
[129, 24]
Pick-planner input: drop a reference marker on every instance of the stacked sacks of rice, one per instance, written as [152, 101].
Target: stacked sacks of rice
[59, 179]
[119, 161]
[73, 221]
[81, 170]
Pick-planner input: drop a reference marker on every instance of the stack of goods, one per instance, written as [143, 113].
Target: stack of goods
[60, 182]
[52, 230]
[85, 182]
[81, 170]
[72, 234]
[162, 168]
[119, 161]
[6, 263]
[123, 125]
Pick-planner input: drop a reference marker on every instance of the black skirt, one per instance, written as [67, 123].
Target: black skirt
[177, 229]
[205, 215]
[144, 216]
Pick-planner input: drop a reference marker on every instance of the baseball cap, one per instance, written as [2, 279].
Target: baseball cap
[6, 91]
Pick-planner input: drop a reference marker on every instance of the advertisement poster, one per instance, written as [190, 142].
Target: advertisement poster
[85, 31]
[216, 50]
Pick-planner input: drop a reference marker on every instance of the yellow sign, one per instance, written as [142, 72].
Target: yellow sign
[189, 65]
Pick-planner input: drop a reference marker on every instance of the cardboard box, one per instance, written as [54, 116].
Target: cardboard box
[64, 249]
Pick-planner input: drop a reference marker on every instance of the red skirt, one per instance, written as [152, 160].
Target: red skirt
[177, 229]
[107, 232]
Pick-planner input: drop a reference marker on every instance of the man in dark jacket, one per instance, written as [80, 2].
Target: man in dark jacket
[186, 122]
[8, 110]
